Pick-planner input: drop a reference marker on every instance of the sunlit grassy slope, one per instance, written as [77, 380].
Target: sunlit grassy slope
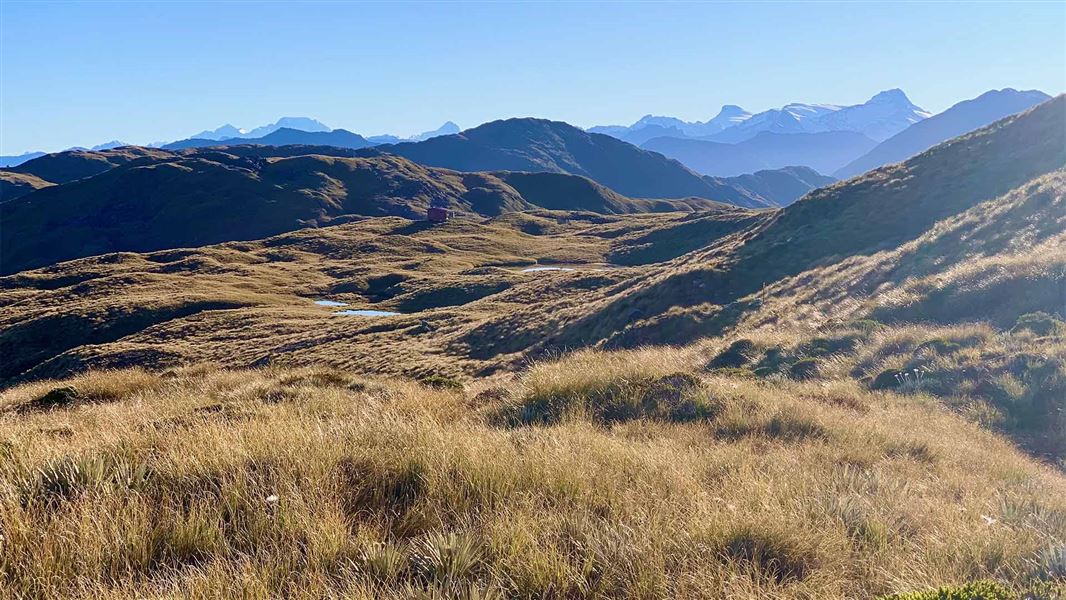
[603, 475]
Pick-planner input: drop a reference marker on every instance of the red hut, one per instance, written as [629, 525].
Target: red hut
[438, 211]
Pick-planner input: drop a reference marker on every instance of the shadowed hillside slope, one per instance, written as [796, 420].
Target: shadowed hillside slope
[15, 185]
[62, 167]
[785, 185]
[206, 197]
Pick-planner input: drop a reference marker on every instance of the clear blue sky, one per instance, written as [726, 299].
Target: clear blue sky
[81, 73]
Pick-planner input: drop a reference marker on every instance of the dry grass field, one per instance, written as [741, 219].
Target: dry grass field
[626, 474]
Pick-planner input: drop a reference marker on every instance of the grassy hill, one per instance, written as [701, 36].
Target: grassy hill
[552, 146]
[206, 197]
[70, 165]
[119, 309]
[16, 185]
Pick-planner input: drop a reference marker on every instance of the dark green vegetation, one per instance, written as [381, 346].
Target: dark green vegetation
[986, 590]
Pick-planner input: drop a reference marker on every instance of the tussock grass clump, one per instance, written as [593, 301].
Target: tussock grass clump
[94, 387]
[740, 353]
[635, 385]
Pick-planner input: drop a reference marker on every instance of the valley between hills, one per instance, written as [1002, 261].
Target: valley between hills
[605, 375]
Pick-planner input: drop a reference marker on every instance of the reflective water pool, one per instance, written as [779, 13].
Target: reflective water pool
[330, 303]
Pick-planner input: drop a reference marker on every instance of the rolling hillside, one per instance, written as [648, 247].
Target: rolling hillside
[683, 280]
[70, 165]
[211, 196]
[16, 185]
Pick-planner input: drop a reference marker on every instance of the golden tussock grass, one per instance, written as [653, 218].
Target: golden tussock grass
[317, 483]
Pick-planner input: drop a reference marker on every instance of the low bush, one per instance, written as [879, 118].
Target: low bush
[1040, 323]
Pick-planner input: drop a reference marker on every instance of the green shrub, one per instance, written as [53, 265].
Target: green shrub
[1040, 323]
[887, 379]
[984, 590]
[939, 346]
[442, 382]
[772, 362]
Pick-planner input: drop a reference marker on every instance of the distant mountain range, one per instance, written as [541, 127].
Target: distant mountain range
[650, 126]
[261, 135]
[285, 136]
[64, 167]
[961, 118]
[14, 160]
[530, 145]
[879, 118]
[842, 141]
[831, 139]
[228, 131]
[290, 128]
[824, 152]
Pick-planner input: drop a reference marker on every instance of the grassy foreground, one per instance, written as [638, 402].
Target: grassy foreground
[628, 474]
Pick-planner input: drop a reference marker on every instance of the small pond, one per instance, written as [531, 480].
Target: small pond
[366, 313]
[536, 269]
[330, 303]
